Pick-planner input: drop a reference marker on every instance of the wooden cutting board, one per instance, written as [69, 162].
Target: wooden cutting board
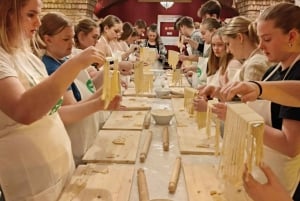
[203, 184]
[136, 103]
[114, 147]
[131, 92]
[201, 181]
[183, 118]
[99, 182]
[192, 140]
[125, 120]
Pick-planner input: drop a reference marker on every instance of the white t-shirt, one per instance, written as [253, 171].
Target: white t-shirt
[36, 159]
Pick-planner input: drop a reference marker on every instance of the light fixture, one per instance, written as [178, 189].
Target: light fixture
[167, 4]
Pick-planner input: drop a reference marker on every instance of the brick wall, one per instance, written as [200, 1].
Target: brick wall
[252, 8]
[74, 9]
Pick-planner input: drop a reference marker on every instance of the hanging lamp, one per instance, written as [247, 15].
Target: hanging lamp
[166, 4]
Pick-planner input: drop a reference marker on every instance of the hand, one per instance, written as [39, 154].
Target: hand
[90, 56]
[193, 44]
[209, 91]
[200, 103]
[189, 68]
[133, 48]
[115, 104]
[246, 90]
[220, 110]
[272, 190]
[182, 57]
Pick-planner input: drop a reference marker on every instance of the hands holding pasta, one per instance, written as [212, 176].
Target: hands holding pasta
[247, 91]
[271, 190]
[90, 56]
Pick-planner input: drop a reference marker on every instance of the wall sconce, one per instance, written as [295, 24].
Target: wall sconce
[166, 4]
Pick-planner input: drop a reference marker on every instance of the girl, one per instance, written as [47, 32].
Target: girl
[78, 110]
[35, 151]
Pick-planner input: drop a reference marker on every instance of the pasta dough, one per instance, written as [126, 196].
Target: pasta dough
[111, 83]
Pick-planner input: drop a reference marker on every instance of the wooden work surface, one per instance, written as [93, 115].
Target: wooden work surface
[125, 120]
[131, 92]
[203, 183]
[192, 140]
[107, 147]
[136, 103]
[99, 182]
[183, 118]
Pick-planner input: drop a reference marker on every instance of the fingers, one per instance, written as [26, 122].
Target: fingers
[269, 173]
[248, 180]
[115, 103]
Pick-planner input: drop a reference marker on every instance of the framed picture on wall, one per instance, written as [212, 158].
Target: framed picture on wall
[166, 30]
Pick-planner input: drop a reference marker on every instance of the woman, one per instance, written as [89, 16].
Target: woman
[87, 33]
[153, 40]
[125, 43]
[277, 40]
[221, 67]
[82, 125]
[35, 151]
[208, 27]
[111, 29]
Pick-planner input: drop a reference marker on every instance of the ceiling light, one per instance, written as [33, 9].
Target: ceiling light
[166, 4]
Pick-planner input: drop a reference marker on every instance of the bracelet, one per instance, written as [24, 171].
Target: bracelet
[259, 87]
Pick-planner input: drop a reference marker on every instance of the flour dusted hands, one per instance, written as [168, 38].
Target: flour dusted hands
[271, 190]
[89, 56]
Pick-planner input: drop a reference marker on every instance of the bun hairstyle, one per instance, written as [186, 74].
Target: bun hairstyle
[243, 25]
[285, 16]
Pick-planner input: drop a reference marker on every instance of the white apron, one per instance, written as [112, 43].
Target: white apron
[287, 169]
[36, 160]
[83, 133]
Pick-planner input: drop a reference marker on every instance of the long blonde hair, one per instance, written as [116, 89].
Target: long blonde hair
[11, 29]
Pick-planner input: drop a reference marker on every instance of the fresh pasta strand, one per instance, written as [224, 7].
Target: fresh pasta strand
[242, 142]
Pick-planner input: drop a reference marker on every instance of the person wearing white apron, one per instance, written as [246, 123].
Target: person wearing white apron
[277, 41]
[35, 150]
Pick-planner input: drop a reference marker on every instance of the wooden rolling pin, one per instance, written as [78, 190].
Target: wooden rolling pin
[146, 145]
[142, 185]
[165, 136]
[175, 175]
[147, 120]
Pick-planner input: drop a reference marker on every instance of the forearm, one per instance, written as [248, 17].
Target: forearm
[73, 113]
[281, 92]
[27, 106]
[279, 141]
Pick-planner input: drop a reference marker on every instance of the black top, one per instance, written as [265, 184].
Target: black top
[279, 112]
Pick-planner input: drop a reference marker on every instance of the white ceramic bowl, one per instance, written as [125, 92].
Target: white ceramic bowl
[162, 116]
[161, 92]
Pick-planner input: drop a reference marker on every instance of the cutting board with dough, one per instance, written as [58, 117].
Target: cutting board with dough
[99, 182]
[114, 146]
[202, 183]
[136, 103]
[125, 120]
[192, 140]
